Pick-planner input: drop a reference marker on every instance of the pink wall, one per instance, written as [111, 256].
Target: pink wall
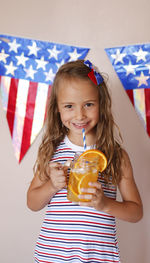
[95, 24]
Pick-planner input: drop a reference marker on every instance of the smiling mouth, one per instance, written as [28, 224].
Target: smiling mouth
[80, 125]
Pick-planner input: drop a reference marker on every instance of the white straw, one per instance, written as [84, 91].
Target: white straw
[84, 140]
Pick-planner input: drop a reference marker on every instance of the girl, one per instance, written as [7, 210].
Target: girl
[85, 231]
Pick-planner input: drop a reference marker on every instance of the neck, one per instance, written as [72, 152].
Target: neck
[78, 139]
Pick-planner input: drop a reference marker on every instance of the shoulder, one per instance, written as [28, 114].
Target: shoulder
[62, 153]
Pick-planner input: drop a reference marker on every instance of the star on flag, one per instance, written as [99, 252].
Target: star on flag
[27, 71]
[132, 65]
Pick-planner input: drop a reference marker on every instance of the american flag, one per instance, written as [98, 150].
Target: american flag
[132, 65]
[27, 71]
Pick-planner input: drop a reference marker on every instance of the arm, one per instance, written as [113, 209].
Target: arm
[130, 208]
[40, 192]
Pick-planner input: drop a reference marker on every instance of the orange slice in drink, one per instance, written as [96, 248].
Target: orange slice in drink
[84, 182]
[92, 153]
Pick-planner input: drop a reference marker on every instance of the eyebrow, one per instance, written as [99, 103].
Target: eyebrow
[69, 102]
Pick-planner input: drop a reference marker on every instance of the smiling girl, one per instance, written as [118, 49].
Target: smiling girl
[85, 231]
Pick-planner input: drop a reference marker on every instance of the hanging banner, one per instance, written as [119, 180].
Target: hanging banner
[27, 71]
[132, 65]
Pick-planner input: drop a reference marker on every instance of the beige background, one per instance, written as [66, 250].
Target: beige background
[96, 24]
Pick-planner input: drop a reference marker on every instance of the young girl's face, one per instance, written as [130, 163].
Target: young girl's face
[78, 105]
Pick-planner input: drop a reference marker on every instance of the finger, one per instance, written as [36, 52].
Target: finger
[96, 185]
[55, 165]
[61, 179]
[91, 190]
[85, 196]
[67, 163]
[60, 173]
[65, 171]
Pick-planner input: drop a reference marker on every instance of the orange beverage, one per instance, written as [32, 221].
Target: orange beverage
[83, 171]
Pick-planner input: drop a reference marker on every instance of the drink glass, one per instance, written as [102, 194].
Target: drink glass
[82, 172]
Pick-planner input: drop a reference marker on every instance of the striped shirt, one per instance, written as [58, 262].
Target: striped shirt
[73, 233]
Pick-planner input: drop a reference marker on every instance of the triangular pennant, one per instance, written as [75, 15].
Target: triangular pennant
[27, 70]
[132, 65]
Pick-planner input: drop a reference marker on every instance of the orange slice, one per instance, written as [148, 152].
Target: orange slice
[84, 181]
[95, 154]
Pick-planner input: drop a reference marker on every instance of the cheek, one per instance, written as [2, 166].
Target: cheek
[95, 114]
[64, 116]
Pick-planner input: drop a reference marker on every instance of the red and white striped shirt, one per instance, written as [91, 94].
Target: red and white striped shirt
[73, 233]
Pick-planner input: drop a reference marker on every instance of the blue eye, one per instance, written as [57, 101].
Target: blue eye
[89, 104]
[69, 106]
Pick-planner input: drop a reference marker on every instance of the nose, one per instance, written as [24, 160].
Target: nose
[80, 114]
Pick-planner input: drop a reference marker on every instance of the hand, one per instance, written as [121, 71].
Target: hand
[95, 195]
[57, 174]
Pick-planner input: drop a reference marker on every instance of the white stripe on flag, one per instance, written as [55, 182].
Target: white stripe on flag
[39, 111]
[22, 94]
[139, 104]
[5, 86]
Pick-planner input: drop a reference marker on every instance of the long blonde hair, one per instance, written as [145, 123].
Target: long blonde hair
[55, 131]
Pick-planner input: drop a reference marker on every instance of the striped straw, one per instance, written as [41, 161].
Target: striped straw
[84, 141]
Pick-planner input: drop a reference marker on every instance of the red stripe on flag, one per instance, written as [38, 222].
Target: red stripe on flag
[11, 106]
[30, 106]
[147, 109]
[48, 95]
[130, 94]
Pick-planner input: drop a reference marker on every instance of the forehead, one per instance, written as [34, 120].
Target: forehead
[77, 88]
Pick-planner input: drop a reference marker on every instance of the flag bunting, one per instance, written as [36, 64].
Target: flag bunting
[132, 65]
[27, 71]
